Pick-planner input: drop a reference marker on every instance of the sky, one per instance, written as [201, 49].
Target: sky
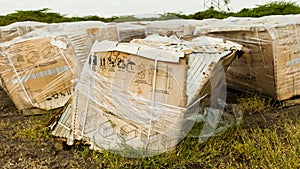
[108, 8]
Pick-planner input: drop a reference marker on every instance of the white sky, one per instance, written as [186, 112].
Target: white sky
[107, 8]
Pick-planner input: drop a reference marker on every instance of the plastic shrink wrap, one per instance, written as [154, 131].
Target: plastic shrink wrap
[270, 64]
[131, 30]
[137, 30]
[18, 29]
[179, 27]
[142, 98]
[37, 72]
[82, 35]
[79, 37]
[36, 69]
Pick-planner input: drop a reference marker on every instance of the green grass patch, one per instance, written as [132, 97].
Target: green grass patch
[33, 129]
[254, 103]
[237, 147]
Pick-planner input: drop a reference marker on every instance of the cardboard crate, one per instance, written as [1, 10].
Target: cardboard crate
[131, 30]
[37, 68]
[270, 64]
[180, 27]
[82, 35]
[37, 72]
[142, 93]
[18, 29]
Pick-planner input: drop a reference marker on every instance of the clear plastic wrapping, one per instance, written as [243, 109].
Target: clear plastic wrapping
[82, 35]
[131, 30]
[18, 29]
[270, 64]
[37, 72]
[178, 27]
[141, 98]
[37, 68]
[136, 99]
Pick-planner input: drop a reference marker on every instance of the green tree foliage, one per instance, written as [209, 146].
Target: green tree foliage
[210, 13]
[44, 15]
[273, 8]
[166, 16]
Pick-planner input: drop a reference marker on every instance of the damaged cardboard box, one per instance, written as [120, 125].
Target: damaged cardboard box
[140, 95]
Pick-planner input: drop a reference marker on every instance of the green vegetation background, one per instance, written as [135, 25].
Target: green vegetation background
[44, 15]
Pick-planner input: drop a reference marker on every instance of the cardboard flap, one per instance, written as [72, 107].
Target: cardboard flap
[137, 49]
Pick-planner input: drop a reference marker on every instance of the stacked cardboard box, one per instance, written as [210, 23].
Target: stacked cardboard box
[131, 30]
[37, 68]
[18, 29]
[82, 35]
[270, 64]
[37, 72]
[141, 94]
[180, 27]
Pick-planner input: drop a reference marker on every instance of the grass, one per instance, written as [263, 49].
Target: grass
[237, 147]
[266, 148]
[33, 129]
[253, 103]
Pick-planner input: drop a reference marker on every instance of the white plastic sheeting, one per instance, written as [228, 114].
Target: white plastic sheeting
[18, 29]
[37, 68]
[136, 103]
[37, 72]
[270, 64]
[135, 99]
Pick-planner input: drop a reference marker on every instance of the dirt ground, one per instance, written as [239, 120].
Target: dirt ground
[16, 152]
[19, 152]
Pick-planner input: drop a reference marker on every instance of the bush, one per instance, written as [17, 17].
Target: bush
[273, 8]
[43, 15]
